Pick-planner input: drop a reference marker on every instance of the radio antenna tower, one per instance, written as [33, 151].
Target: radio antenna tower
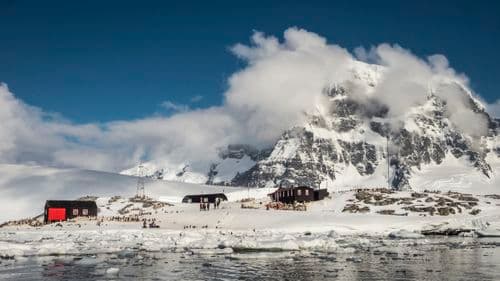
[388, 163]
[141, 182]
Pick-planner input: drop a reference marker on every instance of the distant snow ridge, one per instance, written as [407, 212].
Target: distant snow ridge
[353, 142]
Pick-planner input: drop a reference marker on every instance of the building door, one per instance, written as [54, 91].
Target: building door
[56, 214]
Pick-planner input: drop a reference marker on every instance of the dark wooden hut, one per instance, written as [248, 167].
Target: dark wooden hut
[320, 194]
[61, 210]
[299, 194]
[206, 198]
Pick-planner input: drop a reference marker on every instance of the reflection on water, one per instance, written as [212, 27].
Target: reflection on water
[446, 261]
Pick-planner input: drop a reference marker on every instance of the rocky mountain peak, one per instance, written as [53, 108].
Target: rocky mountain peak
[356, 141]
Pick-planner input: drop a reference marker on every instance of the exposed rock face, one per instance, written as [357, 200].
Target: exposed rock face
[297, 157]
[361, 155]
[238, 151]
[355, 135]
[355, 141]
[235, 152]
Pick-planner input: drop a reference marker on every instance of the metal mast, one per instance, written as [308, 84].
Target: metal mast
[388, 161]
[141, 182]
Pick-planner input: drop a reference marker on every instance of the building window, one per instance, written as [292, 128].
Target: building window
[85, 212]
[307, 192]
[299, 192]
[75, 212]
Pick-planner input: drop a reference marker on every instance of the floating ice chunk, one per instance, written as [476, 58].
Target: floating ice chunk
[224, 251]
[88, 261]
[488, 232]
[13, 249]
[405, 234]
[347, 250]
[354, 259]
[466, 234]
[112, 271]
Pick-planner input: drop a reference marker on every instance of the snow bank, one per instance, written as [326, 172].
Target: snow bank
[24, 189]
[456, 175]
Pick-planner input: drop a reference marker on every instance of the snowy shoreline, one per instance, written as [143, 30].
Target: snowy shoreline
[328, 225]
[71, 241]
[324, 229]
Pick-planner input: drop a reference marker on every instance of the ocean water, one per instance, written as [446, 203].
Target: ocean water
[442, 259]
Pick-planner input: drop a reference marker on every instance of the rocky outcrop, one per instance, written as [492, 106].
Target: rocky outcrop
[328, 144]
[297, 157]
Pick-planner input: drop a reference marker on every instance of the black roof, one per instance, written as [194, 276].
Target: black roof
[207, 195]
[294, 187]
[71, 203]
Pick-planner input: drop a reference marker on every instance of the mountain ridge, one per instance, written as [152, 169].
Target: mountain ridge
[353, 128]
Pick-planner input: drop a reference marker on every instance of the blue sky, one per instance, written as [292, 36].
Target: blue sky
[120, 60]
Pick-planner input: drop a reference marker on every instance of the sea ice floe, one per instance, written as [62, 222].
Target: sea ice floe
[128, 243]
[112, 271]
[405, 234]
[125, 243]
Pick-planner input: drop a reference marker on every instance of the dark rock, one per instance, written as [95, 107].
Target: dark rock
[418, 195]
[445, 211]
[386, 212]
[475, 212]
[354, 208]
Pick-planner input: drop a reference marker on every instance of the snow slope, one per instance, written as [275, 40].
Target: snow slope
[24, 189]
[323, 228]
[455, 175]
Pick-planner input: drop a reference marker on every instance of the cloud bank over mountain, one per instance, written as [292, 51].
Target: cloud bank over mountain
[494, 109]
[283, 80]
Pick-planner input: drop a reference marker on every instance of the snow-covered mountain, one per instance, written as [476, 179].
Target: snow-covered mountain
[234, 159]
[353, 139]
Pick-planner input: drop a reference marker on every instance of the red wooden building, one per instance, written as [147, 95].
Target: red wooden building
[61, 210]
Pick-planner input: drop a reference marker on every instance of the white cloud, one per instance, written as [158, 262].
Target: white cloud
[494, 109]
[196, 98]
[174, 107]
[408, 80]
[282, 80]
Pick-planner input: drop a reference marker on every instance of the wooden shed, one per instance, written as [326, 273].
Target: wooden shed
[206, 198]
[320, 194]
[299, 194]
[61, 210]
